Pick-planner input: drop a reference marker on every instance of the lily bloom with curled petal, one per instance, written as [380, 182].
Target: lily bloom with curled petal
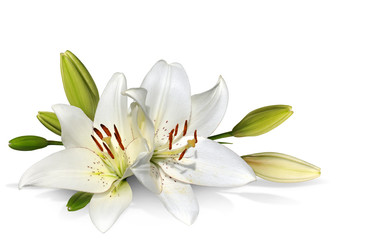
[176, 126]
[99, 155]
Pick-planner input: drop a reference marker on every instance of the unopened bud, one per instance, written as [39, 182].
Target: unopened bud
[50, 121]
[278, 167]
[262, 120]
[28, 143]
[78, 84]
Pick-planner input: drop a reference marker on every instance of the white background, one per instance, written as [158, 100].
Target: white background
[325, 58]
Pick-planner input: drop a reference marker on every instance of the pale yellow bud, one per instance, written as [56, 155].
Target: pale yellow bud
[278, 167]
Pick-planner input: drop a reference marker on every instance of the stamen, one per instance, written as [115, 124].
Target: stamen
[176, 131]
[97, 143]
[195, 136]
[185, 128]
[98, 133]
[182, 154]
[171, 139]
[119, 141]
[116, 131]
[108, 150]
[106, 130]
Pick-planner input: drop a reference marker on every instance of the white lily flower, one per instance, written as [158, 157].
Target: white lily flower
[98, 155]
[176, 126]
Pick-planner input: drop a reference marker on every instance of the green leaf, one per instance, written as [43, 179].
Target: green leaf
[50, 121]
[78, 201]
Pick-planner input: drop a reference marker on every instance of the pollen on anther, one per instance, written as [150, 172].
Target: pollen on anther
[195, 136]
[176, 130]
[185, 128]
[182, 155]
[97, 143]
[98, 133]
[171, 139]
[108, 150]
[119, 141]
[106, 130]
[116, 131]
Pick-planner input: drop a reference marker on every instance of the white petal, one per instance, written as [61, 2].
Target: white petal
[147, 173]
[139, 95]
[70, 169]
[76, 127]
[105, 208]
[142, 125]
[179, 199]
[168, 98]
[208, 109]
[112, 108]
[210, 164]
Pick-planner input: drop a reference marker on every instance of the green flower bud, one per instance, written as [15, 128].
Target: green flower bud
[78, 201]
[50, 121]
[28, 143]
[78, 84]
[278, 167]
[262, 120]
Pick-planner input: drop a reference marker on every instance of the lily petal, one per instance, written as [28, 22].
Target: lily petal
[168, 98]
[142, 124]
[147, 173]
[138, 95]
[105, 208]
[70, 169]
[112, 107]
[76, 127]
[179, 199]
[208, 109]
[210, 164]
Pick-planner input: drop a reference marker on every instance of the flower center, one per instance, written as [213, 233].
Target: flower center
[178, 152]
[112, 152]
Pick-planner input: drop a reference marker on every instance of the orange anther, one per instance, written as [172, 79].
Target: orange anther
[171, 139]
[97, 143]
[106, 130]
[182, 155]
[108, 150]
[185, 128]
[118, 135]
[176, 130]
[119, 141]
[98, 133]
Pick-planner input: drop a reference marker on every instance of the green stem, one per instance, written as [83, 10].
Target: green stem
[221, 135]
[54, 142]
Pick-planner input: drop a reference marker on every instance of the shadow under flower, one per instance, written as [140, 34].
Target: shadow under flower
[12, 185]
[145, 200]
[264, 183]
[256, 196]
[57, 195]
